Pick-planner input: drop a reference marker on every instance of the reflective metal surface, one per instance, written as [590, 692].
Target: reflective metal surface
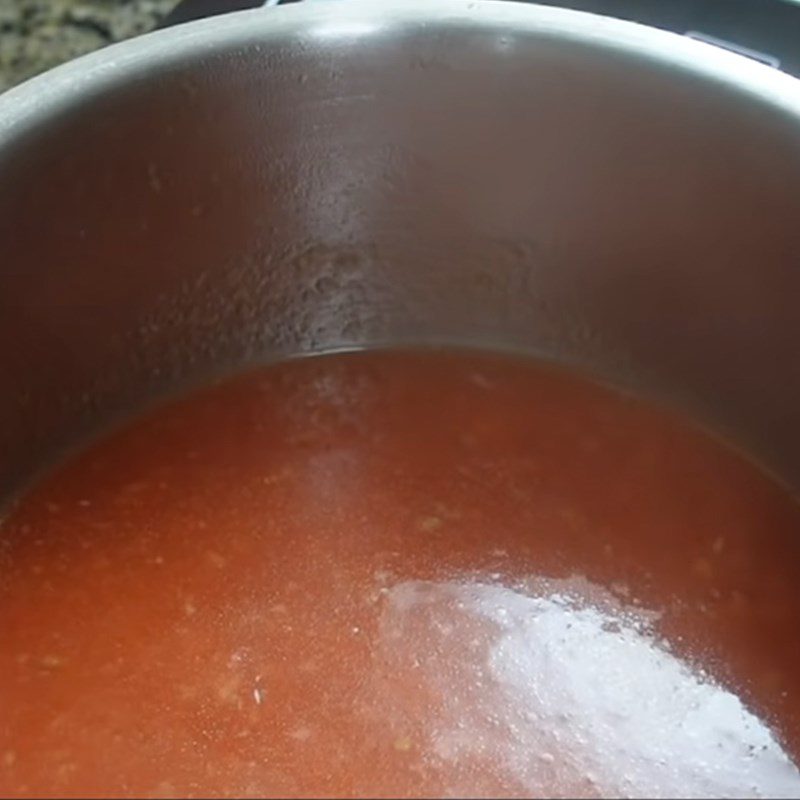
[340, 175]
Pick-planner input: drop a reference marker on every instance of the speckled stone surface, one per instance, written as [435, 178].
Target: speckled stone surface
[38, 34]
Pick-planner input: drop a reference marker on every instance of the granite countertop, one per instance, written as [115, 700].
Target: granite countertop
[38, 34]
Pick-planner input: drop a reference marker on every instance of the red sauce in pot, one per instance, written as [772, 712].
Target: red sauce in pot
[402, 574]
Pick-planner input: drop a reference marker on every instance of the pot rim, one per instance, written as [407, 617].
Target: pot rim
[39, 99]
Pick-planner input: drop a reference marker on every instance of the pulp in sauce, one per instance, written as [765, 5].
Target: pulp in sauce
[402, 574]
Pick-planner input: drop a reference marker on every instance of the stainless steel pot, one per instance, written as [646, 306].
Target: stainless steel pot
[343, 175]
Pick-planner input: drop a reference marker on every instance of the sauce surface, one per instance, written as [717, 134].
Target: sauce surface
[402, 574]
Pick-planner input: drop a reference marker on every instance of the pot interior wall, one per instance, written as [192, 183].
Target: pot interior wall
[473, 178]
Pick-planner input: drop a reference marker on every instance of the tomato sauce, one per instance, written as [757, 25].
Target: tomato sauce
[402, 574]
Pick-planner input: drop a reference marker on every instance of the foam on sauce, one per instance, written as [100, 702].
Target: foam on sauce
[402, 574]
[520, 693]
